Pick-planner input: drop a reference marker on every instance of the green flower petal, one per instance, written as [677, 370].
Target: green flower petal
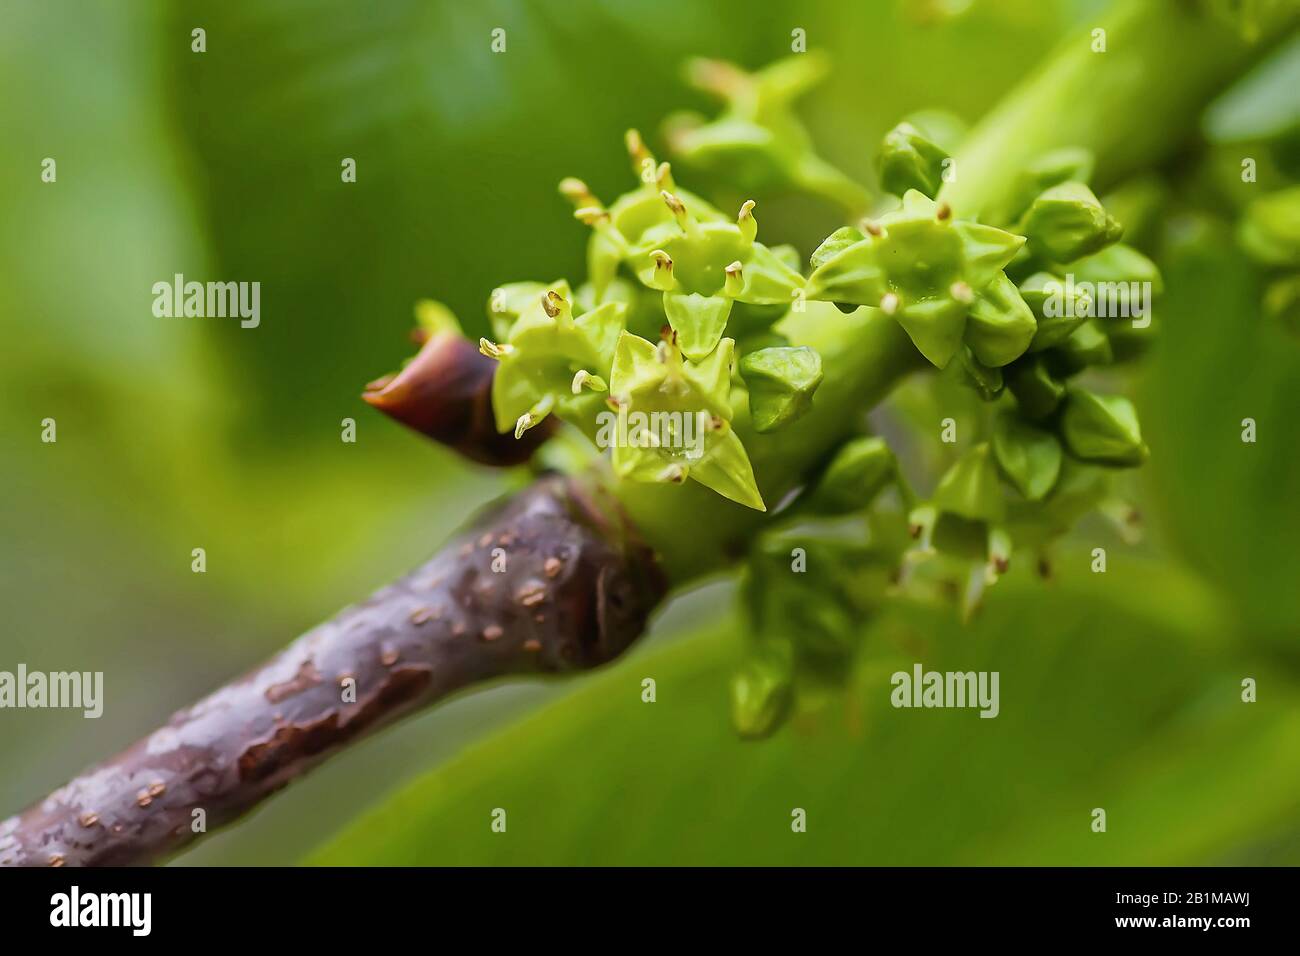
[698, 321]
[935, 328]
[781, 384]
[726, 469]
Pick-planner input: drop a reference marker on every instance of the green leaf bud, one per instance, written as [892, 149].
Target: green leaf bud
[1102, 429]
[781, 383]
[859, 471]
[1029, 457]
[1067, 222]
[969, 489]
[1270, 229]
[1123, 285]
[908, 160]
[624, 226]
[1000, 325]
[1037, 393]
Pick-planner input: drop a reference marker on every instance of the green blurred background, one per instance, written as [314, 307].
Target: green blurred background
[1118, 691]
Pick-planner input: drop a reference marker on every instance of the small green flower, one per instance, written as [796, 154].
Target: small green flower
[1067, 222]
[1029, 457]
[758, 143]
[713, 258]
[908, 160]
[627, 220]
[676, 417]
[552, 362]
[1000, 325]
[1102, 429]
[781, 383]
[918, 265]
[512, 299]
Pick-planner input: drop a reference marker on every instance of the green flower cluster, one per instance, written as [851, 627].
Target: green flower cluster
[675, 321]
[1018, 310]
[670, 275]
[1066, 298]
[757, 142]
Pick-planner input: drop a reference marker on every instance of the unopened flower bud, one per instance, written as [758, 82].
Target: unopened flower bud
[1068, 222]
[761, 695]
[910, 161]
[999, 326]
[1029, 457]
[859, 471]
[1102, 429]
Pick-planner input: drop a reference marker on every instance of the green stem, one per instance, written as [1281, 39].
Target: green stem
[1130, 105]
[864, 355]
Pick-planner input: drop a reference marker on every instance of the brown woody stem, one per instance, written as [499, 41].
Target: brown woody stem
[552, 581]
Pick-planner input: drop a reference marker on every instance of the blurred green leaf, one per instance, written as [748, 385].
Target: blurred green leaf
[1106, 701]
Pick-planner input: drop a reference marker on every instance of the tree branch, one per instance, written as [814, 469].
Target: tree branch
[586, 560]
[550, 582]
